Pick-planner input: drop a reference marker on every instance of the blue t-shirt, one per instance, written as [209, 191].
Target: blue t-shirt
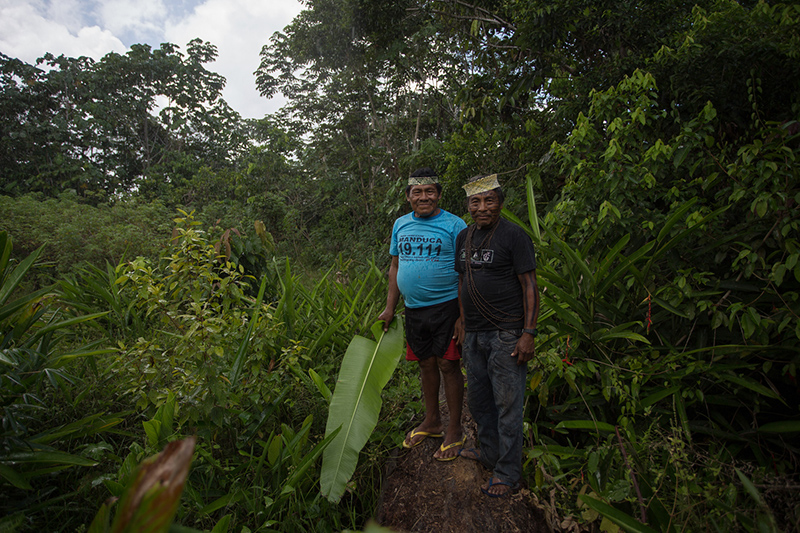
[426, 250]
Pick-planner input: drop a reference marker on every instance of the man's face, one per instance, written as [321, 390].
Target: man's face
[424, 199]
[484, 208]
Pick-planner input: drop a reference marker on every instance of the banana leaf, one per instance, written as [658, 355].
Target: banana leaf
[356, 402]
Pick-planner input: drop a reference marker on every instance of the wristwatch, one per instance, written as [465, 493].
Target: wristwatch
[530, 331]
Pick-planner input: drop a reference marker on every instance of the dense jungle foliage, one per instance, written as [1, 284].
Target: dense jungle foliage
[169, 269]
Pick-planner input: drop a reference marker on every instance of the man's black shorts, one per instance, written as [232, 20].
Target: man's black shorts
[429, 330]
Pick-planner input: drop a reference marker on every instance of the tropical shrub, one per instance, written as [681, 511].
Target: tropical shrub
[199, 356]
[93, 289]
[196, 300]
[666, 310]
[35, 354]
[75, 234]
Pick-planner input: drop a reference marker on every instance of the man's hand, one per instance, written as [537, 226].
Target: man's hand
[393, 295]
[525, 349]
[526, 345]
[387, 317]
[458, 332]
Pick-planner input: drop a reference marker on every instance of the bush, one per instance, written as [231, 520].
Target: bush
[75, 234]
[36, 351]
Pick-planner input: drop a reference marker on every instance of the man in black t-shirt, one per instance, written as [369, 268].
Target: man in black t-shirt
[499, 302]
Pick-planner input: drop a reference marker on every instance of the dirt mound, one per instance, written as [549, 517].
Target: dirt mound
[421, 494]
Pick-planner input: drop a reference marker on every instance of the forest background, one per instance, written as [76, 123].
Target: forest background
[648, 148]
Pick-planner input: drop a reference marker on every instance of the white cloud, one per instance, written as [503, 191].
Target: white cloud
[70, 13]
[142, 16]
[239, 28]
[27, 35]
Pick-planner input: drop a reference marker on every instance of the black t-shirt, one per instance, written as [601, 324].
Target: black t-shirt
[496, 263]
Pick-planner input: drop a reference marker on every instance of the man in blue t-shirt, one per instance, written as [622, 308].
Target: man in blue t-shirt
[423, 272]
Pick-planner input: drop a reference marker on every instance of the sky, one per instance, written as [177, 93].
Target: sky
[93, 28]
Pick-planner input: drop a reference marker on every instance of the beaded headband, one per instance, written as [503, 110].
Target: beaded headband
[484, 184]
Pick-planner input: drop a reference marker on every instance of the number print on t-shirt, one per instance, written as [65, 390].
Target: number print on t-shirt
[417, 246]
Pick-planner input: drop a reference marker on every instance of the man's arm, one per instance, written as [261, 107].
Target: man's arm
[393, 295]
[526, 345]
[458, 332]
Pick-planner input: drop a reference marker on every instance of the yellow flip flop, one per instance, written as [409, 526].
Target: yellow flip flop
[444, 448]
[414, 433]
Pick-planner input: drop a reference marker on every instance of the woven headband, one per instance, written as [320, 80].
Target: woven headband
[484, 184]
[423, 180]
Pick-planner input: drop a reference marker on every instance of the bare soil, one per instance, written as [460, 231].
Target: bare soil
[421, 494]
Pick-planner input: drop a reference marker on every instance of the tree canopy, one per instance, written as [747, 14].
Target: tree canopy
[131, 123]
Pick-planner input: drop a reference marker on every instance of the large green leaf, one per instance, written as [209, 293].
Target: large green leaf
[591, 425]
[784, 426]
[749, 384]
[627, 522]
[42, 456]
[15, 478]
[10, 280]
[241, 353]
[366, 368]
[533, 216]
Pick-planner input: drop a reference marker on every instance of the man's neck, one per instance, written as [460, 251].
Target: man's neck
[438, 210]
[488, 226]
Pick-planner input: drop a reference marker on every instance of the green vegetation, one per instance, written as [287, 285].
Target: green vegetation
[170, 270]
[193, 355]
[367, 367]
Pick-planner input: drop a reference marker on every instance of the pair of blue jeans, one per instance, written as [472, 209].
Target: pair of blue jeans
[496, 396]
